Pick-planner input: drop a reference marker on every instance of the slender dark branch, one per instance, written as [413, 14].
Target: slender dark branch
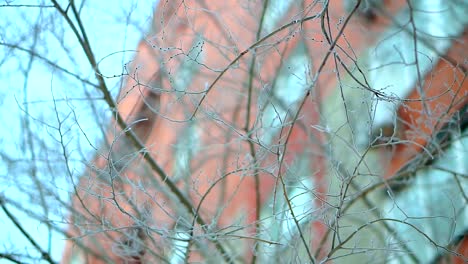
[31, 240]
[165, 179]
[10, 257]
[51, 63]
[37, 6]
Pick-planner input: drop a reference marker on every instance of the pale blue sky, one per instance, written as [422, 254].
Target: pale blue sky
[112, 26]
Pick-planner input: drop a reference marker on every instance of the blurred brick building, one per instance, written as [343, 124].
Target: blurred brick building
[285, 131]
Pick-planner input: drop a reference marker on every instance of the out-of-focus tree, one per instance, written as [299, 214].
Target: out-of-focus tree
[241, 131]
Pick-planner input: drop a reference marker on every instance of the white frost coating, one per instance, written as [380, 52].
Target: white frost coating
[302, 204]
[434, 204]
[290, 87]
[392, 60]
[281, 226]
